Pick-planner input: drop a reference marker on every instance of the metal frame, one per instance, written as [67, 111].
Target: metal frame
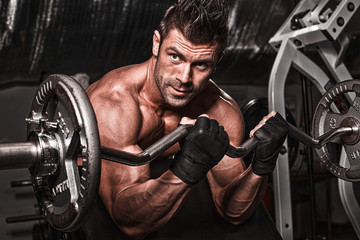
[312, 23]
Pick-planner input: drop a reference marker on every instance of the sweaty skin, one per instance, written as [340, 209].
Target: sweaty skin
[137, 105]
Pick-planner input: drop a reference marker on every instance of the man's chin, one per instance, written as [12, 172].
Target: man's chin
[178, 103]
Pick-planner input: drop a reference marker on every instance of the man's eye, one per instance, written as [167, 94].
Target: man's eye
[201, 66]
[174, 58]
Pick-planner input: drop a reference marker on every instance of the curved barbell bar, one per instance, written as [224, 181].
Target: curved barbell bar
[155, 150]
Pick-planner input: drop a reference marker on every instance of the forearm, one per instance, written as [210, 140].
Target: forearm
[236, 197]
[238, 200]
[142, 208]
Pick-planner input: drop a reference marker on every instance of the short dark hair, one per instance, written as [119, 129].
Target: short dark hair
[200, 21]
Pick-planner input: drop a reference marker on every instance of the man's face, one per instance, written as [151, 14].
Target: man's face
[182, 68]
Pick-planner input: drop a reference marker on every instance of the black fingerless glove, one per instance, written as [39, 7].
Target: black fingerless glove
[202, 149]
[271, 137]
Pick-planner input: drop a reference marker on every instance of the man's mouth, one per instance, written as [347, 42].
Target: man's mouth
[180, 91]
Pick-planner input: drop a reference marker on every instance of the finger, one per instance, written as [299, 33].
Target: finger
[186, 120]
[259, 125]
[267, 117]
[202, 122]
[272, 113]
[251, 134]
[262, 122]
[214, 126]
[204, 115]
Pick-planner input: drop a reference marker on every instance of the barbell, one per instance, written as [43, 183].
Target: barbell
[62, 127]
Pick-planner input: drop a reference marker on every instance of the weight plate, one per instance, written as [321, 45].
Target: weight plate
[62, 120]
[326, 119]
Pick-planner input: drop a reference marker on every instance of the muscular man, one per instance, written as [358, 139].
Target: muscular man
[136, 105]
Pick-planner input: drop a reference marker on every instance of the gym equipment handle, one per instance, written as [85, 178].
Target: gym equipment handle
[150, 153]
[155, 150]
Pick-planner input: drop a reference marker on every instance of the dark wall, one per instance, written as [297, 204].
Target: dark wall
[57, 36]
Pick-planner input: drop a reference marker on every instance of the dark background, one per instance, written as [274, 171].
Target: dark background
[97, 36]
[40, 37]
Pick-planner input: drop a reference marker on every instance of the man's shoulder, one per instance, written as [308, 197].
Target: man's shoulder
[115, 93]
[116, 107]
[220, 105]
[125, 77]
[215, 98]
[118, 84]
[227, 112]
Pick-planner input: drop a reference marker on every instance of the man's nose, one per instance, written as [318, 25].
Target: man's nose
[185, 74]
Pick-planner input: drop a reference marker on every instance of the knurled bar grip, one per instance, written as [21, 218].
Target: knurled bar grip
[19, 155]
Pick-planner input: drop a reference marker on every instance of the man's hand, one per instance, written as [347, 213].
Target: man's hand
[270, 133]
[202, 149]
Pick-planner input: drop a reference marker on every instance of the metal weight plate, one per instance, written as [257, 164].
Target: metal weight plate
[63, 123]
[325, 119]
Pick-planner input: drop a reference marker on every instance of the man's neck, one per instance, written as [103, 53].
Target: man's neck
[150, 91]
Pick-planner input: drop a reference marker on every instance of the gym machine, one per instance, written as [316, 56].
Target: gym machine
[316, 24]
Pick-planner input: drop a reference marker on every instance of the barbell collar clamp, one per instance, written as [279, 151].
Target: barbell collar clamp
[43, 123]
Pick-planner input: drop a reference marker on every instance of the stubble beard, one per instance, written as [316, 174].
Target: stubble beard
[164, 86]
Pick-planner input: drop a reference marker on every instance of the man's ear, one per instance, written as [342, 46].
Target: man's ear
[156, 43]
